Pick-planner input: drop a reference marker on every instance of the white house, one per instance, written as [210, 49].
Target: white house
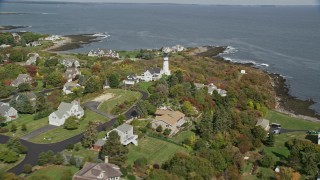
[318, 138]
[125, 131]
[52, 38]
[33, 44]
[4, 46]
[173, 49]
[103, 53]
[243, 71]
[70, 62]
[131, 80]
[69, 86]
[153, 74]
[66, 110]
[106, 84]
[8, 112]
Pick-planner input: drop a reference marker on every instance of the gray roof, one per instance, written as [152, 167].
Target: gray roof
[124, 127]
[4, 107]
[20, 79]
[264, 123]
[154, 70]
[100, 142]
[64, 106]
[70, 85]
[93, 170]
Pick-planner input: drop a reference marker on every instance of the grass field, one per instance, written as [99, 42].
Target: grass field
[120, 97]
[82, 152]
[181, 136]
[155, 150]
[5, 166]
[60, 134]
[288, 122]
[52, 172]
[30, 123]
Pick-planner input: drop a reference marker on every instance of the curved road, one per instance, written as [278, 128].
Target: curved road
[35, 149]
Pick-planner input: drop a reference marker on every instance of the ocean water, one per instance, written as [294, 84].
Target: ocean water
[279, 39]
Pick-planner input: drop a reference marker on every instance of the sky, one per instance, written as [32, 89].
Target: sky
[221, 2]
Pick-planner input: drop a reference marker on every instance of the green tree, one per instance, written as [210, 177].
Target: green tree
[18, 55]
[22, 104]
[24, 87]
[27, 168]
[41, 102]
[259, 133]
[10, 157]
[270, 140]
[159, 128]
[92, 85]
[116, 152]
[2, 119]
[54, 79]
[188, 109]
[113, 81]
[58, 159]
[90, 135]
[72, 161]
[167, 132]
[13, 128]
[30, 36]
[5, 91]
[71, 123]
[24, 127]
[267, 161]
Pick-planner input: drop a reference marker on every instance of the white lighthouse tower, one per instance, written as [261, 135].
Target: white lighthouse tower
[165, 68]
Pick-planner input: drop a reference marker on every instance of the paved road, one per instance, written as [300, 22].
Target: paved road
[35, 149]
[38, 131]
[93, 106]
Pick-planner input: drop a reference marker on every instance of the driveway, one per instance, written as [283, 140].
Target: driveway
[35, 149]
[38, 131]
[93, 106]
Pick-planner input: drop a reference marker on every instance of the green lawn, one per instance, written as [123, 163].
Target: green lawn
[279, 150]
[144, 85]
[5, 166]
[60, 134]
[120, 97]
[155, 150]
[288, 122]
[131, 54]
[30, 123]
[82, 152]
[52, 172]
[181, 136]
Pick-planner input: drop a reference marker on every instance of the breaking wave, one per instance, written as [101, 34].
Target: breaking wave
[241, 61]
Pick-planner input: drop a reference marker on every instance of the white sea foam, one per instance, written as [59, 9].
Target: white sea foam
[47, 13]
[101, 35]
[242, 61]
[230, 50]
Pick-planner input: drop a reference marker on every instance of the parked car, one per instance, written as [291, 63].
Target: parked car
[276, 125]
[276, 131]
[313, 132]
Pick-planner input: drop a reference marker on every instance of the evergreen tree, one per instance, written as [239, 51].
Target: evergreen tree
[90, 135]
[24, 127]
[116, 152]
[270, 140]
[113, 81]
[22, 104]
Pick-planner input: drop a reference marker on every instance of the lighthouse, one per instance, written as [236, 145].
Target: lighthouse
[165, 68]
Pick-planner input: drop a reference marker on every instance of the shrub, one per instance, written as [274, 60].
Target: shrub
[27, 168]
[131, 177]
[41, 114]
[267, 161]
[159, 128]
[4, 130]
[166, 132]
[70, 146]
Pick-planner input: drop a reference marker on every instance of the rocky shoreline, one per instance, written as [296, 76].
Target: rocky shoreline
[286, 103]
[71, 42]
[5, 28]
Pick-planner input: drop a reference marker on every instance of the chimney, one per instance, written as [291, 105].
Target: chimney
[106, 159]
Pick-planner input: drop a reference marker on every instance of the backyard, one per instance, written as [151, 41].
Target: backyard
[31, 124]
[121, 97]
[60, 134]
[52, 172]
[155, 150]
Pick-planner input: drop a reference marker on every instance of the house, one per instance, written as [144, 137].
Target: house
[4, 46]
[8, 112]
[32, 59]
[33, 44]
[151, 74]
[131, 80]
[199, 85]
[104, 53]
[243, 71]
[168, 119]
[264, 123]
[125, 131]
[103, 171]
[22, 78]
[106, 84]
[70, 63]
[222, 92]
[318, 138]
[71, 73]
[66, 110]
[98, 145]
[69, 86]
[173, 49]
[16, 37]
[52, 38]
[211, 88]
